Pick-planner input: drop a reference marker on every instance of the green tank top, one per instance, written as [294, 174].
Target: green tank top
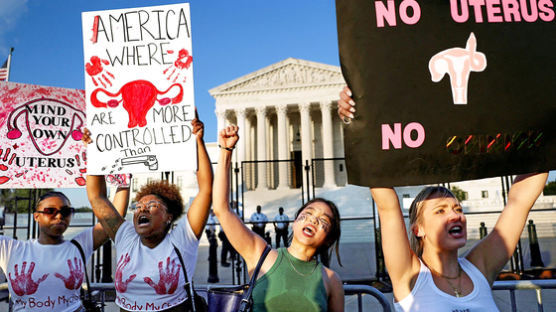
[291, 285]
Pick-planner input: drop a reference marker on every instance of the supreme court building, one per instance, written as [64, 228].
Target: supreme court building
[286, 113]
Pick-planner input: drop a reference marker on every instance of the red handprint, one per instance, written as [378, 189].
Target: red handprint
[75, 279]
[120, 285]
[182, 61]
[169, 277]
[95, 68]
[23, 283]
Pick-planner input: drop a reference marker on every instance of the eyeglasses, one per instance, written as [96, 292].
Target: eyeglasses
[153, 204]
[321, 222]
[51, 211]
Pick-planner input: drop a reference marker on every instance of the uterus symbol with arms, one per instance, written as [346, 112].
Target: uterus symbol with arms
[458, 63]
[138, 98]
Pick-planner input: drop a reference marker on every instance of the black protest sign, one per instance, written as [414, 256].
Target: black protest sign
[448, 90]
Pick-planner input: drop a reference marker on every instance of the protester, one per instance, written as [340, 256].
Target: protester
[291, 279]
[149, 275]
[426, 272]
[46, 274]
[210, 230]
[281, 222]
[226, 249]
[259, 221]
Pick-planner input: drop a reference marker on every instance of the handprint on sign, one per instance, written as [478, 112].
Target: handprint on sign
[95, 68]
[168, 278]
[75, 279]
[120, 285]
[23, 283]
[183, 60]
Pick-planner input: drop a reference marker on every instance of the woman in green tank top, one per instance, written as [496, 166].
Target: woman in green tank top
[290, 279]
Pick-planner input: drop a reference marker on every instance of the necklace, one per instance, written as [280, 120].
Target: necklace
[296, 271]
[457, 290]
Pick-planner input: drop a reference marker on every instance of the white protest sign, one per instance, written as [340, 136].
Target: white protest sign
[40, 136]
[139, 89]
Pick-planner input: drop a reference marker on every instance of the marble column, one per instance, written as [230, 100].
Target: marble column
[240, 115]
[221, 120]
[327, 144]
[306, 143]
[261, 147]
[241, 144]
[282, 142]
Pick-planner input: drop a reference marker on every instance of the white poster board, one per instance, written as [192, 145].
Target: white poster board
[40, 137]
[139, 89]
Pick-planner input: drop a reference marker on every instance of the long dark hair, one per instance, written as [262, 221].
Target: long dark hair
[333, 236]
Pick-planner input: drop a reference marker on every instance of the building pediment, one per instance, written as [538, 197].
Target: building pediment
[287, 74]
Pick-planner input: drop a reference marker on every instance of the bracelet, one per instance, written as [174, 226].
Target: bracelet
[231, 149]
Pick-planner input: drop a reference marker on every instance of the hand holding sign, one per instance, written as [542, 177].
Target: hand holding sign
[346, 106]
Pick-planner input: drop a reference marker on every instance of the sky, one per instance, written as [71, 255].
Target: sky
[230, 39]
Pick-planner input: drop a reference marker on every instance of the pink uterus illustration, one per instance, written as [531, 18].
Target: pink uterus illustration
[138, 98]
[458, 63]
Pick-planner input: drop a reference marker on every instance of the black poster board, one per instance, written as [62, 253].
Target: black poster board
[418, 120]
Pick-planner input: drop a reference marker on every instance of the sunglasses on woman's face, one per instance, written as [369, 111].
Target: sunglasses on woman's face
[51, 211]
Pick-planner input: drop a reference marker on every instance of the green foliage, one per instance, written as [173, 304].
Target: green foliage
[460, 194]
[83, 209]
[19, 199]
[550, 188]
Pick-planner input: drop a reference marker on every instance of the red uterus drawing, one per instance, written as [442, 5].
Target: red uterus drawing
[49, 122]
[138, 97]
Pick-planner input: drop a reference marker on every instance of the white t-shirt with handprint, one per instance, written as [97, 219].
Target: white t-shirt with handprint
[45, 277]
[152, 279]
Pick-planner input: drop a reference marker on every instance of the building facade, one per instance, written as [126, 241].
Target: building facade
[286, 114]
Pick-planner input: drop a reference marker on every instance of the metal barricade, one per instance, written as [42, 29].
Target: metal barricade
[360, 290]
[350, 290]
[536, 285]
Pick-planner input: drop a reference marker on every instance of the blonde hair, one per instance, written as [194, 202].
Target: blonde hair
[416, 213]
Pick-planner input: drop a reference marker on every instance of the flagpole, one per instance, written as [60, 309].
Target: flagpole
[9, 63]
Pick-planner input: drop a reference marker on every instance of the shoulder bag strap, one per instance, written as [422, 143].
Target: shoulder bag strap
[73, 241]
[246, 300]
[188, 286]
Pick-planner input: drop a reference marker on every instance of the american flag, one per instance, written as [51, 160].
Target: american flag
[4, 71]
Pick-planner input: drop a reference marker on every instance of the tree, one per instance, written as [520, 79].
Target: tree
[460, 194]
[550, 188]
[8, 199]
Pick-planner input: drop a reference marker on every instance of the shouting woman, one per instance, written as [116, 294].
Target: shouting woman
[290, 279]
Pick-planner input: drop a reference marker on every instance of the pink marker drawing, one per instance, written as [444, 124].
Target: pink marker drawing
[458, 63]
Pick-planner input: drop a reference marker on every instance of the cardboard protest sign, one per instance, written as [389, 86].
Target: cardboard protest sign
[40, 136]
[139, 89]
[448, 90]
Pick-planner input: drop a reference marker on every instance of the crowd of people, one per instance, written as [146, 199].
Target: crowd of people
[156, 252]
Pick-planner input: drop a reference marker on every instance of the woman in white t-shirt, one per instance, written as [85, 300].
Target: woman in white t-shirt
[46, 274]
[427, 274]
[149, 276]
